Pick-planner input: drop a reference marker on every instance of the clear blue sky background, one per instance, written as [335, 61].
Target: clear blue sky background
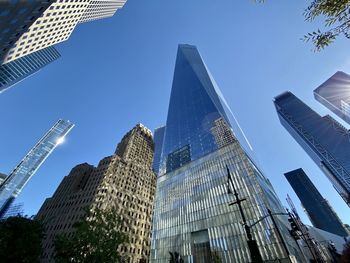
[117, 72]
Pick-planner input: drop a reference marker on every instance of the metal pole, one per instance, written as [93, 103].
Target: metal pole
[252, 245]
[279, 234]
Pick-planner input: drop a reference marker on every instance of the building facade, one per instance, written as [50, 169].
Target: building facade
[335, 95]
[192, 215]
[324, 139]
[19, 177]
[320, 213]
[17, 70]
[2, 177]
[16, 17]
[55, 23]
[158, 146]
[124, 181]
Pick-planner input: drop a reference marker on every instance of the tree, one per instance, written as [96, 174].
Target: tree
[94, 240]
[337, 21]
[336, 14]
[20, 240]
[345, 258]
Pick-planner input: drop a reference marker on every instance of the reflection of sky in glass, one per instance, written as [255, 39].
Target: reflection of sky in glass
[195, 103]
[15, 182]
[335, 95]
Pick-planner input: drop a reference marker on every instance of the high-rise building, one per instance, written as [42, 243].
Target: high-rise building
[53, 24]
[158, 146]
[317, 208]
[192, 215]
[16, 18]
[335, 95]
[124, 181]
[17, 70]
[325, 140]
[19, 177]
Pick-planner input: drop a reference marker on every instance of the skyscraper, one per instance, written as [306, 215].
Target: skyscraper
[192, 215]
[52, 23]
[19, 177]
[317, 208]
[158, 146]
[2, 177]
[17, 70]
[124, 181]
[335, 95]
[325, 140]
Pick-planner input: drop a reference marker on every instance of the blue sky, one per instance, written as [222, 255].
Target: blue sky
[117, 72]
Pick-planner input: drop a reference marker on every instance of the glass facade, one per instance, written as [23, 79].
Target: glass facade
[14, 183]
[192, 215]
[195, 104]
[325, 140]
[158, 145]
[319, 211]
[335, 95]
[17, 70]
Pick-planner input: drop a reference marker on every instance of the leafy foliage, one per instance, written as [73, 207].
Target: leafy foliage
[337, 21]
[215, 257]
[95, 240]
[20, 240]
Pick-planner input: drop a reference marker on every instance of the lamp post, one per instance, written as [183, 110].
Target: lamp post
[252, 244]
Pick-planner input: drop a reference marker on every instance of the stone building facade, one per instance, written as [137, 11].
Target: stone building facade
[124, 181]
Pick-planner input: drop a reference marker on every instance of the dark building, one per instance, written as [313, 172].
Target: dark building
[158, 145]
[324, 139]
[317, 208]
[335, 95]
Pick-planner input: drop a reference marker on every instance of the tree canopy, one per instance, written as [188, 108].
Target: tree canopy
[95, 240]
[20, 240]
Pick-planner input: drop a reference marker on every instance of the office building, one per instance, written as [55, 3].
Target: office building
[16, 17]
[124, 181]
[317, 208]
[17, 70]
[19, 177]
[335, 95]
[158, 146]
[324, 139]
[192, 215]
[54, 23]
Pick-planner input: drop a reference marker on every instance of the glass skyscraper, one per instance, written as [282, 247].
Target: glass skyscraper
[158, 146]
[192, 215]
[325, 140]
[317, 208]
[335, 95]
[17, 70]
[17, 179]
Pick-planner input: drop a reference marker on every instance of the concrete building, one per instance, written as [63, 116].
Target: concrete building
[124, 181]
[55, 23]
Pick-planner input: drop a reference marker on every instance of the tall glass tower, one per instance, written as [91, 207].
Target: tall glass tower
[17, 179]
[192, 215]
[321, 214]
[21, 68]
[325, 140]
[158, 146]
[335, 95]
